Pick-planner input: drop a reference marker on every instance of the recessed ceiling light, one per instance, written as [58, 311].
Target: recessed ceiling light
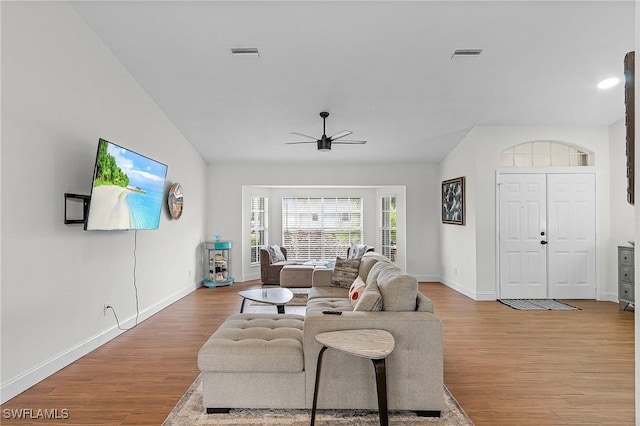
[608, 83]
[245, 52]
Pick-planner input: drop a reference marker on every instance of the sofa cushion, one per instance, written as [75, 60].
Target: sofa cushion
[378, 267]
[328, 292]
[371, 299]
[328, 304]
[367, 262]
[356, 289]
[345, 272]
[399, 291]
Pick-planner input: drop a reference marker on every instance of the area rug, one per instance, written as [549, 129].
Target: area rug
[538, 305]
[189, 411]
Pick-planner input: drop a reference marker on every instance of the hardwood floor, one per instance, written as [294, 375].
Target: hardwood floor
[512, 367]
[505, 367]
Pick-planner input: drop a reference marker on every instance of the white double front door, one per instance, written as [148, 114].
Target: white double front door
[547, 236]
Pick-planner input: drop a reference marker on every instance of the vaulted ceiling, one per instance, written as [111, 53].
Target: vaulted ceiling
[383, 69]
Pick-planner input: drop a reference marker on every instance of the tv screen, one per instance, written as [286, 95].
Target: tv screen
[127, 191]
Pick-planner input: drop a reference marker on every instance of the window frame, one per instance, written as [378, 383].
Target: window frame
[389, 247]
[545, 153]
[261, 227]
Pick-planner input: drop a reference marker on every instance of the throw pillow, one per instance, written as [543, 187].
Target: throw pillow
[345, 272]
[368, 261]
[371, 299]
[356, 251]
[275, 254]
[399, 291]
[356, 290]
[380, 267]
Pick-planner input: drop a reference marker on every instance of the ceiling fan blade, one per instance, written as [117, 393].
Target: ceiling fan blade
[348, 142]
[339, 135]
[306, 136]
[293, 143]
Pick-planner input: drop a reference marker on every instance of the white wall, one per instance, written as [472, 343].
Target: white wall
[421, 181]
[482, 198]
[62, 90]
[458, 242]
[621, 230]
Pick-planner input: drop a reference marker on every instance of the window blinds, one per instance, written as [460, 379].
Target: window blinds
[320, 228]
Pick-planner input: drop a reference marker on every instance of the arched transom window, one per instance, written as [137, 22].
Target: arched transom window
[543, 154]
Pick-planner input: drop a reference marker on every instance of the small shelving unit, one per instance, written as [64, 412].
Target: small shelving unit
[217, 264]
[626, 282]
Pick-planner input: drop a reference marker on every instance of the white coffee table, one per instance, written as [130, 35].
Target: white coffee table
[272, 296]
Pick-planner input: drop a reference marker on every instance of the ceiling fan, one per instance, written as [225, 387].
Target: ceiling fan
[324, 143]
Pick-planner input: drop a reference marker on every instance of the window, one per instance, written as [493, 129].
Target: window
[259, 220]
[543, 154]
[388, 227]
[320, 228]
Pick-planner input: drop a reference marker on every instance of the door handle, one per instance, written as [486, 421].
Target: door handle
[543, 242]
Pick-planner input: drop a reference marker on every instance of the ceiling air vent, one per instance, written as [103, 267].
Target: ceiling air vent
[466, 53]
[245, 52]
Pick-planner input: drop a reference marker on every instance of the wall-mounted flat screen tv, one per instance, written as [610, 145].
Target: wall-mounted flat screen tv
[127, 191]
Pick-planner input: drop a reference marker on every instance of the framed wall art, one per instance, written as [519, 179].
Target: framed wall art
[453, 201]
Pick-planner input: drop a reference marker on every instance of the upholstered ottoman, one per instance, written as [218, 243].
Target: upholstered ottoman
[254, 361]
[296, 276]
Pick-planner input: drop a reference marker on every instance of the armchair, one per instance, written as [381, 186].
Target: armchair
[270, 272]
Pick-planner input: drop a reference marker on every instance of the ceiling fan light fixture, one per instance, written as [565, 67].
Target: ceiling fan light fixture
[324, 145]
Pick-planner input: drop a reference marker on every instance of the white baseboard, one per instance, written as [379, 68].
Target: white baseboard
[24, 381]
[608, 297]
[249, 277]
[486, 296]
[478, 296]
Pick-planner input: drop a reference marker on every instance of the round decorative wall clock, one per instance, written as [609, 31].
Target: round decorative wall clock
[174, 200]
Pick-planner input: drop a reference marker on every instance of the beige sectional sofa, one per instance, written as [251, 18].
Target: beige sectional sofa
[241, 368]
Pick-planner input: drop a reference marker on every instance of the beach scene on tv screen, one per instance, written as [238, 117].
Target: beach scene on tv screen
[127, 190]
